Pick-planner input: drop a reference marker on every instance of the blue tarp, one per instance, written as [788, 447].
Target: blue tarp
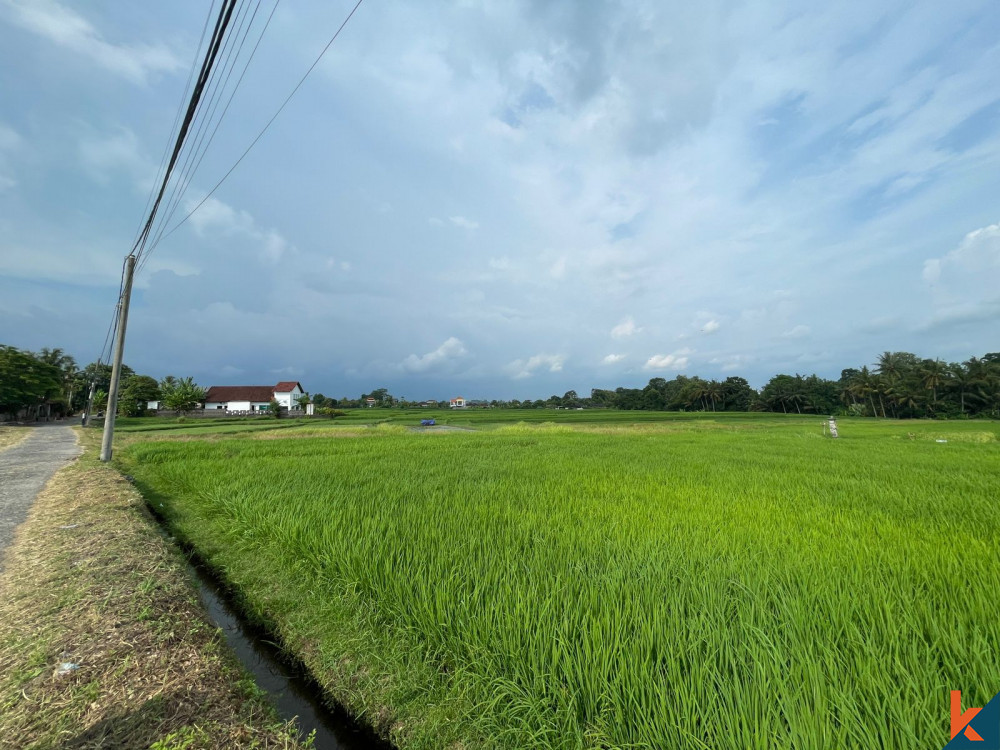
[426, 422]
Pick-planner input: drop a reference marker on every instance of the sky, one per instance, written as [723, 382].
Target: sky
[512, 199]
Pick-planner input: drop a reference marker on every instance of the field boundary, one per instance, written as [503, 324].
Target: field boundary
[102, 639]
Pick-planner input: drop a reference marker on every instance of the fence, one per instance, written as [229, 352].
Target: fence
[220, 413]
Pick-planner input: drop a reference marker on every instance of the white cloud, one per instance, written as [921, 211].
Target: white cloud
[625, 329]
[519, 368]
[464, 223]
[965, 282]
[710, 327]
[612, 359]
[978, 253]
[558, 269]
[797, 332]
[9, 138]
[66, 28]
[500, 264]
[217, 216]
[449, 351]
[676, 361]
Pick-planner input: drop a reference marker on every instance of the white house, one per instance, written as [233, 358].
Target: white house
[458, 403]
[286, 392]
[252, 397]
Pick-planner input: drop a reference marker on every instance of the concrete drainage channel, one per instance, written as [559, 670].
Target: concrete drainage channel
[288, 686]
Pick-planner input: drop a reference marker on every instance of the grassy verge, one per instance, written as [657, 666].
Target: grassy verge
[90, 581]
[11, 436]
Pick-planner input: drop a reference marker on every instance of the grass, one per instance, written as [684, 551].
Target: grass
[736, 582]
[89, 580]
[11, 436]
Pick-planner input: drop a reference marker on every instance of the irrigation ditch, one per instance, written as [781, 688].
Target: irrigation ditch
[289, 686]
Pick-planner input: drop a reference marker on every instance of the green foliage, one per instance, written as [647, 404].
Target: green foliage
[329, 411]
[274, 409]
[180, 395]
[97, 373]
[26, 380]
[137, 392]
[731, 582]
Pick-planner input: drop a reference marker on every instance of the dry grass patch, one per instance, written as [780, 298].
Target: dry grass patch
[90, 582]
[12, 435]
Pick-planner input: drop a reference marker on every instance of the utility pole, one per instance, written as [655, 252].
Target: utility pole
[116, 367]
[90, 403]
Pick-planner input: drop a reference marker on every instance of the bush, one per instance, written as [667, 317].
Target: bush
[326, 411]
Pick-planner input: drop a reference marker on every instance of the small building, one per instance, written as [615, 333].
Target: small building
[287, 392]
[239, 397]
[429, 404]
[253, 398]
[458, 403]
[369, 402]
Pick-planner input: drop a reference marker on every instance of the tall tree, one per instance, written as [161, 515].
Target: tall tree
[26, 382]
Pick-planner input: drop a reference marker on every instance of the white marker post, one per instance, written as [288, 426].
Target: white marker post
[833, 427]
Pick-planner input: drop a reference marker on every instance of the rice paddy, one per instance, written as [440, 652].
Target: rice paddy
[704, 583]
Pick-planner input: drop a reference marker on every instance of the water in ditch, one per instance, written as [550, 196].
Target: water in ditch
[289, 689]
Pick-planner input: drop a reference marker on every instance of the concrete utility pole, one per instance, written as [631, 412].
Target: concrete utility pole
[90, 403]
[116, 367]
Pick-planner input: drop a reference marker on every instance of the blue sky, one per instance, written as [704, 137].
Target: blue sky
[513, 199]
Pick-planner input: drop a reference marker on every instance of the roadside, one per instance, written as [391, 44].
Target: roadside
[11, 435]
[102, 640]
[24, 470]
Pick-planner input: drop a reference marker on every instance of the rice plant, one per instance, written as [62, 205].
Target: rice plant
[724, 584]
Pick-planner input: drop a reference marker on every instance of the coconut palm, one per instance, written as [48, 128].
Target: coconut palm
[932, 374]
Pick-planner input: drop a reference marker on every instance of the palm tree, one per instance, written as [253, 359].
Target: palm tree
[66, 364]
[866, 387]
[932, 374]
[714, 392]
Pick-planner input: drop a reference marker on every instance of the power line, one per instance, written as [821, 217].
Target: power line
[177, 117]
[202, 120]
[198, 154]
[265, 128]
[222, 22]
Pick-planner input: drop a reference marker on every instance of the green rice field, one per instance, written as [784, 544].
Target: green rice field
[620, 581]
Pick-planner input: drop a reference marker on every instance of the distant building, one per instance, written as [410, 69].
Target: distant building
[253, 397]
[429, 404]
[458, 403]
[369, 402]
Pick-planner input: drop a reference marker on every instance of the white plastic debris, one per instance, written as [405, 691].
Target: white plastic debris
[67, 667]
[69, 526]
[940, 441]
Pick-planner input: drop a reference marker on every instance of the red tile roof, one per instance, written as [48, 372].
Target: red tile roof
[223, 393]
[286, 386]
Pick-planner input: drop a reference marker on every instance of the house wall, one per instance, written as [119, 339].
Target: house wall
[288, 399]
[237, 406]
[215, 404]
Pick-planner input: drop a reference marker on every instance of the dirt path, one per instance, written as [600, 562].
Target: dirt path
[24, 470]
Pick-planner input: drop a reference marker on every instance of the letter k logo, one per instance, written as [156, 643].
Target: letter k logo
[960, 721]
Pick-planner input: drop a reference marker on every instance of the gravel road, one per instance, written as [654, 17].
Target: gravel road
[24, 470]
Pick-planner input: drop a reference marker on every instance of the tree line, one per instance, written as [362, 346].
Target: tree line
[48, 383]
[898, 385]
